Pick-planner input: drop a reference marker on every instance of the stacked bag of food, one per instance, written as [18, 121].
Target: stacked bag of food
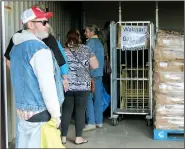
[169, 81]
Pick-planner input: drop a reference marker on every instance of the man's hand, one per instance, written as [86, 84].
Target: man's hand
[65, 84]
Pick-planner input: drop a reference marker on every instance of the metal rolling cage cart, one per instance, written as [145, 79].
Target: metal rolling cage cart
[131, 78]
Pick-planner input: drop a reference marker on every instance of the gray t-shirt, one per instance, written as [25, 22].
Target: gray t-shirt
[78, 77]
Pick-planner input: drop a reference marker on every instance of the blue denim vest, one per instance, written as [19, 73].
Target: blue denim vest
[28, 96]
[97, 48]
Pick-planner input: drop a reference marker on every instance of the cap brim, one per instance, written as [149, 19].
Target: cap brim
[46, 15]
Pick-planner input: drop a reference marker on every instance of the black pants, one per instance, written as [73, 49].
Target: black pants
[77, 100]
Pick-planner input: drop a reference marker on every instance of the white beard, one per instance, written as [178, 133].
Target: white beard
[42, 35]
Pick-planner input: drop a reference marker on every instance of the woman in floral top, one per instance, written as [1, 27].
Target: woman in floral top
[80, 61]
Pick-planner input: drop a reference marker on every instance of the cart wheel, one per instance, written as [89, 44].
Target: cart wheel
[120, 118]
[148, 122]
[114, 121]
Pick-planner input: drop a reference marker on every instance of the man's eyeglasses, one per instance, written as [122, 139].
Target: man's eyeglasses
[43, 22]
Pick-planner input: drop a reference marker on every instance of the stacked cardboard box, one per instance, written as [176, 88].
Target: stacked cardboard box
[169, 81]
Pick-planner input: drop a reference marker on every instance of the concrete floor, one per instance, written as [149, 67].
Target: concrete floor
[128, 134]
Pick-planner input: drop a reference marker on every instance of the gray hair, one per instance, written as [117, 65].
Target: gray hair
[94, 28]
[25, 26]
[50, 31]
[97, 31]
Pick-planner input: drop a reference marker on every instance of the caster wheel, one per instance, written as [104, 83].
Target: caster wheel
[114, 121]
[148, 122]
[120, 118]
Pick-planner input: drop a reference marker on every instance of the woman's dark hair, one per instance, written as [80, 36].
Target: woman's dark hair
[97, 31]
[73, 38]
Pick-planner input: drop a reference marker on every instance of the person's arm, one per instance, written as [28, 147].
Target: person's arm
[42, 65]
[92, 59]
[65, 83]
[94, 62]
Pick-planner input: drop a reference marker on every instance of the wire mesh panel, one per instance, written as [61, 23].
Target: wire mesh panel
[131, 60]
[132, 89]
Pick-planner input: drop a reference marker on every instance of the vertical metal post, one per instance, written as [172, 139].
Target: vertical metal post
[4, 72]
[113, 60]
[143, 75]
[120, 81]
[131, 78]
[120, 12]
[120, 76]
[137, 77]
[157, 16]
[150, 74]
[126, 71]
[111, 63]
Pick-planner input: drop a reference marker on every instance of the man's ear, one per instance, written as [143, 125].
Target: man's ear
[30, 25]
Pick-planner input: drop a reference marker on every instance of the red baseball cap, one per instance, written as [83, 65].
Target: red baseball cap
[34, 13]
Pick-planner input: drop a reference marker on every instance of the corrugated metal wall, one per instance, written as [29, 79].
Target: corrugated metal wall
[61, 22]
[66, 16]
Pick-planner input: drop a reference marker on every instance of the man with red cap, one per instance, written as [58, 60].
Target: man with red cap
[35, 77]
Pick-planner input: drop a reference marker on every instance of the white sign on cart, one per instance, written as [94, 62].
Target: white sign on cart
[134, 37]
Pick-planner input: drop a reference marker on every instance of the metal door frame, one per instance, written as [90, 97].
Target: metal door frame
[4, 73]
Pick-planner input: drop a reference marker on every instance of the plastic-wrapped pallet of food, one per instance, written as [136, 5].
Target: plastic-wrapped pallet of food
[171, 66]
[170, 39]
[169, 122]
[169, 110]
[168, 54]
[164, 99]
[169, 81]
[162, 77]
[170, 88]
